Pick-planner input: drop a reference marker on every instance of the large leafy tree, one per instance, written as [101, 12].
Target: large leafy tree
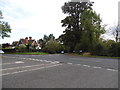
[45, 40]
[83, 25]
[4, 27]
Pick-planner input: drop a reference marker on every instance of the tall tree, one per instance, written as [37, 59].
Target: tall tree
[82, 22]
[45, 40]
[116, 33]
[4, 27]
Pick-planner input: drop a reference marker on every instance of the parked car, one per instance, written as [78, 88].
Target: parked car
[1, 52]
[62, 52]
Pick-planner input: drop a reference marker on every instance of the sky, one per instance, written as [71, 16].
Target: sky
[36, 18]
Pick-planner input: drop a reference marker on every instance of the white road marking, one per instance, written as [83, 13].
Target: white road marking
[19, 62]
[23, 58]
[97, 67]
[86, 65]
[45, 60]
[55, 62]
[21, 67]
[37, 60]
[30, 70]
[78, 64]
[29, 58]
[69, 63]
[7, 63]
[112, 70]
[48, 61]
[40, 60]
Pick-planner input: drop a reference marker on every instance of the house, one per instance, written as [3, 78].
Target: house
[29, 42]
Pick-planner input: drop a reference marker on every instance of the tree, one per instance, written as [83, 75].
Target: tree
[116, 33]
[83, 25]
[53, 47]
[45, 39]
[4, 27]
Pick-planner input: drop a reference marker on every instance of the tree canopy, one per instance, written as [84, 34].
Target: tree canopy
[83, 26]
[4, 27]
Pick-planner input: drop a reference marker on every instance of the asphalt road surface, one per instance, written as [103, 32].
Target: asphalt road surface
[58, 71]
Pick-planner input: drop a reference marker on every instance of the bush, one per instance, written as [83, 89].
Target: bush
[114, 49]
[9, 50]
[52, 47]
[22, 47]
[81, 46]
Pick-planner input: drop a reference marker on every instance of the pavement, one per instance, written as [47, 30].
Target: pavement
[58, 71]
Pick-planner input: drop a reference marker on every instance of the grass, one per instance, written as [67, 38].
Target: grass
[29, 53]
[73, 54]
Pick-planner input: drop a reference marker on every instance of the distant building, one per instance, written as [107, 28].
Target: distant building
[27, 41]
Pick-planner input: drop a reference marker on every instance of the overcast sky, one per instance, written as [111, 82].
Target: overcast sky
[38, 17]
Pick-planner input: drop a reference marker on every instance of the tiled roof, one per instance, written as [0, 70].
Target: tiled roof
[29, 41]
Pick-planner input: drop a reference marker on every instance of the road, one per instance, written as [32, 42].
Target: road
[58, 71]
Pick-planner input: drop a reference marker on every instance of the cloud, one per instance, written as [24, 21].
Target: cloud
[39, 17]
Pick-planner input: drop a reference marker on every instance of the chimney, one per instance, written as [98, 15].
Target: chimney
[26, 40]
[30, 38]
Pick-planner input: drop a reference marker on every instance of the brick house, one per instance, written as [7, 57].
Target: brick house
[29, 42]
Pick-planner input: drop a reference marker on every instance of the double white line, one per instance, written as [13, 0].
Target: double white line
[49, 65]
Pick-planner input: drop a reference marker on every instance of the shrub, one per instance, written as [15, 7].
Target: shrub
[53, 47]
[114, 49]
[22, 47]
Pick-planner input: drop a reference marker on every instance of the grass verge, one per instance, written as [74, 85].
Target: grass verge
[73, 54]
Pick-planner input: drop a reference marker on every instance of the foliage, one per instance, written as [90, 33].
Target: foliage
[114, 49]
[8, 48]
[83, 26]
[16, 47]
[22, 47]
[0, 46]
[4, 28]
[53, 47]
[45, 39]
[107, 48]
